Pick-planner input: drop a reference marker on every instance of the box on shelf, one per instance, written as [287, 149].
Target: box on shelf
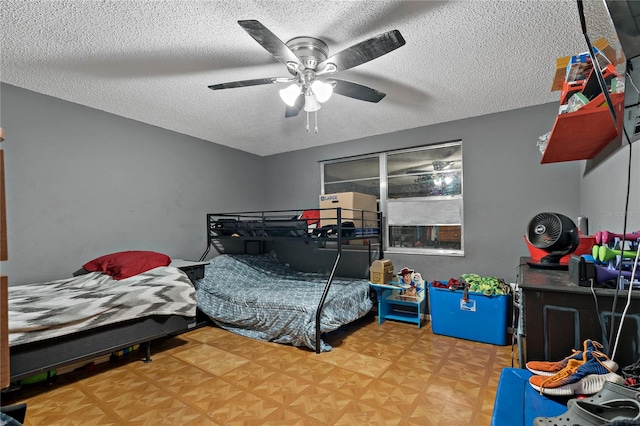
[352, 203]
[480, 318]
[580, 66]
[581, 77]
[603, 52]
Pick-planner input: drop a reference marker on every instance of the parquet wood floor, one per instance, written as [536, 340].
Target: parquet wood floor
[389, 374]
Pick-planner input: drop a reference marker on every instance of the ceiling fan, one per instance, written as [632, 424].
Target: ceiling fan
[307, 60]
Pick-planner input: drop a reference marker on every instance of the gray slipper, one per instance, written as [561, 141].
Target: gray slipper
[609, 391]
[590, 414]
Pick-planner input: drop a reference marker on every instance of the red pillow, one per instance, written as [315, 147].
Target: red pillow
[126, 264]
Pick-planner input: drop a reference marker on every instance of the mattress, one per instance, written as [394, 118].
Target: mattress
[51, 309]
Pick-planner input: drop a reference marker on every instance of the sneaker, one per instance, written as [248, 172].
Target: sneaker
[579, 378]
[550, 368]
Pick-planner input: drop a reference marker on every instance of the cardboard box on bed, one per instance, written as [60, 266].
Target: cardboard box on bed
[352, 202]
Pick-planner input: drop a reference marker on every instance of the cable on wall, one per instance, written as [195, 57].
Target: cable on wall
[622, 244]
[592, 282]
[619, 279]
[594, 62]
[626, 307]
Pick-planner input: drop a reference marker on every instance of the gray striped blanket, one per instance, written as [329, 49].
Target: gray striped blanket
[45, 310]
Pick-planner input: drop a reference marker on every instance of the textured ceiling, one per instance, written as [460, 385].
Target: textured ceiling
[152, 61]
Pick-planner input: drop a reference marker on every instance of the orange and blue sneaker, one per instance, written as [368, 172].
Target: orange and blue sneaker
[549, 368]
[579, 378]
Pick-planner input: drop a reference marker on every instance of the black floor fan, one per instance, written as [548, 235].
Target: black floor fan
[555, 234]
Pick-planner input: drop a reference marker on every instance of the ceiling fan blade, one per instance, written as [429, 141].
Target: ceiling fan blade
[245, 83]
[294, 110]
[270, 42]
[357, 91]
[365, 51]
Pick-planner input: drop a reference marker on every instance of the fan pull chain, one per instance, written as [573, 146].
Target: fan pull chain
[316, 128]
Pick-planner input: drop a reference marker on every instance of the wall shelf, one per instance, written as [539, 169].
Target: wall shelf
[582, 134]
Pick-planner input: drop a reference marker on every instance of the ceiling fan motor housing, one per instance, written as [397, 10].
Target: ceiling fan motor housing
[311, 51]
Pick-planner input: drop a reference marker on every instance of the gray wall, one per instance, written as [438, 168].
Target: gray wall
[603, 190]
[81, 183]
[504, 186]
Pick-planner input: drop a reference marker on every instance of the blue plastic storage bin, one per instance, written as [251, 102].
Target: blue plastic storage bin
[481, 318]
[518, 403]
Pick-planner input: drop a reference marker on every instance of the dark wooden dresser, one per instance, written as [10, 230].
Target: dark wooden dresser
[557, 315]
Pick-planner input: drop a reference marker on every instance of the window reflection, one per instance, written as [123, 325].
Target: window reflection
[352, 170]
[425, 185]
[370, 186]
[425, 173]
[432, 236]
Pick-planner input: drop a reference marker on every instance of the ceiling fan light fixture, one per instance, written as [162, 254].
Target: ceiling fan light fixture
[322, 90]
[308, 57]
[290, 93]
[311, 103]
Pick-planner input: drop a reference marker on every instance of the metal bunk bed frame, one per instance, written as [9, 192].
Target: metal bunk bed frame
[262, 229]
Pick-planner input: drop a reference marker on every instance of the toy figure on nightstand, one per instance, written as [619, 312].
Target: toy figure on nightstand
[413, 280]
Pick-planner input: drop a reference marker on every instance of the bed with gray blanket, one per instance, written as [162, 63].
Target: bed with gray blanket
[57, 323]
[258, 297]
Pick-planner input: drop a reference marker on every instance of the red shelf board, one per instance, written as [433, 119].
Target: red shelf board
[582, 134]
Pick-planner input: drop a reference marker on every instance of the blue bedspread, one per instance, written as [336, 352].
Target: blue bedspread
[258, 297]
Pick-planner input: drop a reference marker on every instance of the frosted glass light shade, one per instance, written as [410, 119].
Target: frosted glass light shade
[311, 104]
[290, 94]
[322, 90]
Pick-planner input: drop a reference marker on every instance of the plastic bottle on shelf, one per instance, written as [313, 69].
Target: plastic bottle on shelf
[617, 85]
[542, 142]
[576, 101]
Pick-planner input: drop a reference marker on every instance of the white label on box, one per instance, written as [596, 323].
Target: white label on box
[467, 305]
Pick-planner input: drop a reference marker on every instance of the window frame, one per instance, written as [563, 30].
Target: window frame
[383, 200]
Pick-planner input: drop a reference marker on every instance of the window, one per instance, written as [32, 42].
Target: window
[359, 175]
[419, 192]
